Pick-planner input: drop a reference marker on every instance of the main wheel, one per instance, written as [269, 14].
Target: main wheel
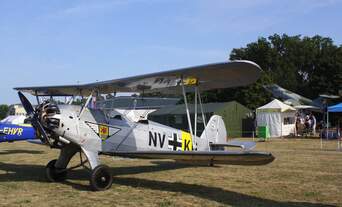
[53, 174]
[101, 178]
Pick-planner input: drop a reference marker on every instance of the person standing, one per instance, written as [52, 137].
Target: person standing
[307, 124]
[313, 123]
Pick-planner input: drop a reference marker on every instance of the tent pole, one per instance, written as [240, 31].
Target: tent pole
[338, 135]
[327, 125]
[326, 129]
[281, 125]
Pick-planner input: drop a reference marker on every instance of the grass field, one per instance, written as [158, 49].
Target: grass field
[301, 175]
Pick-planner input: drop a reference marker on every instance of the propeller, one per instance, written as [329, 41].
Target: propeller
[33, 115]
[26, 104]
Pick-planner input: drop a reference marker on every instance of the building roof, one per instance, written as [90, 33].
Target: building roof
[125, 102]
[180, 108]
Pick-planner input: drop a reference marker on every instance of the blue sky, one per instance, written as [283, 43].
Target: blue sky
[64, 42]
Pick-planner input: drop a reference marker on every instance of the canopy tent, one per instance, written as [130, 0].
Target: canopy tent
[278, 117]
[335, 108]
[332, 109]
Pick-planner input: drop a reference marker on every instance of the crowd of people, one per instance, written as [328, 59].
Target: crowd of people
[305, 124]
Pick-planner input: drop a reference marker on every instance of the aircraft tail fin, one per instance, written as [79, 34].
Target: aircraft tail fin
[215, 131]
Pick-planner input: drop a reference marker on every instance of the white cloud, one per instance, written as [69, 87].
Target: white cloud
[88, 8]
[189, 51]
[246, 16]
[185, 56]
[100, 6]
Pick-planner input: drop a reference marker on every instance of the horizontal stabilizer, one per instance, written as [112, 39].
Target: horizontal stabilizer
[214, 157]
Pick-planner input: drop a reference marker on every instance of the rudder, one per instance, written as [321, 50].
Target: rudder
[215, 131]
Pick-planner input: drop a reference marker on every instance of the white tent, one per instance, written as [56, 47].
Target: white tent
[14, 119]
[278, 117]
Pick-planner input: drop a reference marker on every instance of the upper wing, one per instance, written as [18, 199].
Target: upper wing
[212, 76]
[211, 157]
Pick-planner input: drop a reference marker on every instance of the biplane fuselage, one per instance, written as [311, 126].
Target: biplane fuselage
[118, 133]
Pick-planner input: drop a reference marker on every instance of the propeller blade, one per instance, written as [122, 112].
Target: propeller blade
[38, 126]
[26, 103]
[33, 116]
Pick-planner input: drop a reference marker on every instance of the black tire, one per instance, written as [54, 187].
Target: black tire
[101, 178]
[52, 173]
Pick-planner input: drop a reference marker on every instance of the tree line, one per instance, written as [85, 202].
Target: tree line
[309, 66]
[3, 111]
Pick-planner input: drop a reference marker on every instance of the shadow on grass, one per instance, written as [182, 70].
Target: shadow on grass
[21, 172]
[8, 152]
[211, 193]
[117, 171]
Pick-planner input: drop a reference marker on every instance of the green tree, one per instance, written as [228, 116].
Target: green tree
[306, 65]
[3, 111]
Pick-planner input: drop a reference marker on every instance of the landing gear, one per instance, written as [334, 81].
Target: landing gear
[54, 174]
[211, 163]
[101, 178]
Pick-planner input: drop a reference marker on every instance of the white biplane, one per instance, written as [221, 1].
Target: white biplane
[81, 129]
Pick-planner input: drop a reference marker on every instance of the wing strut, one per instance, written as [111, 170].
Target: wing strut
[198, 99]
[86, 104]
[203, 115]
[187, 111]
[196, 111]
[36, 94]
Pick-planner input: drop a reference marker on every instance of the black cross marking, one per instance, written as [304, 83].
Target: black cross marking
[174, 142]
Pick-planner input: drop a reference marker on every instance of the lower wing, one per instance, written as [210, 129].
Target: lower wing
[234, 143]
[212, 157]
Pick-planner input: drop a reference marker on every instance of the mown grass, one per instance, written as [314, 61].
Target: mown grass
[301, 175]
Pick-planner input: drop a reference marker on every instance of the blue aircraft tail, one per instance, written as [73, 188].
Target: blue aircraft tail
[16, 132]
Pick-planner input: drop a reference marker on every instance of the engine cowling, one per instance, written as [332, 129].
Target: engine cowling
[48, 115]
